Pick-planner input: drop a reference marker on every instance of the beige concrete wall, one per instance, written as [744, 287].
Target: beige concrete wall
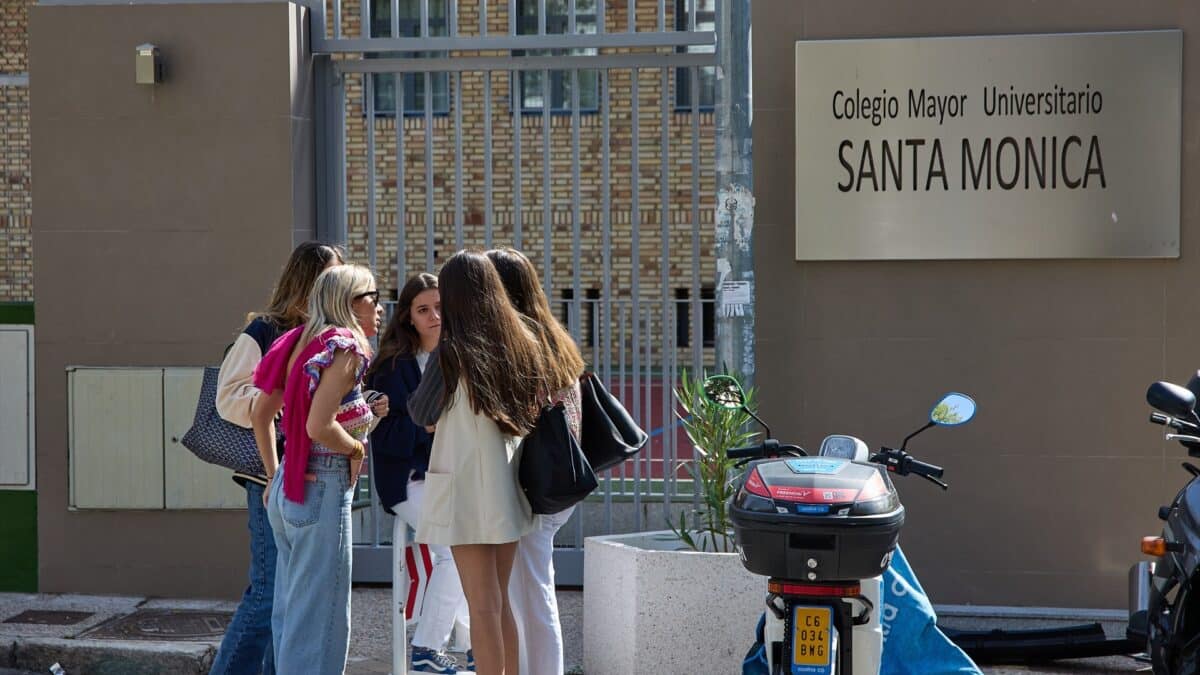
[1060, 475]
[164, 214]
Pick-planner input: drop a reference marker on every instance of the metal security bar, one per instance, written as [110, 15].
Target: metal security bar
[578, 131]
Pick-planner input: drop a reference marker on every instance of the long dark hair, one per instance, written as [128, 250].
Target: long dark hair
[289, 299]
[400, 338]
[487, 345]
[564, 364]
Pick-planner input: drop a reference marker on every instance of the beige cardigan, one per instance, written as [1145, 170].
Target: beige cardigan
[472, 494]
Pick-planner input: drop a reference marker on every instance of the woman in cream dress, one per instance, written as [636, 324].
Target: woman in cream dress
[492, 372]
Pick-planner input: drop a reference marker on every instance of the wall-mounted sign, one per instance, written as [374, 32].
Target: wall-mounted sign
[1028, 146]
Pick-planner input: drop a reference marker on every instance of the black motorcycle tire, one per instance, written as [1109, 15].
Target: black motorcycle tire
[1187, 622]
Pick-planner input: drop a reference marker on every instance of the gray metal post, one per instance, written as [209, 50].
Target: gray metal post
[735, 192]
[329, 150]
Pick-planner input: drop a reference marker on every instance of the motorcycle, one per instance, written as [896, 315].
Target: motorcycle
[823, 530]
[1171, 622]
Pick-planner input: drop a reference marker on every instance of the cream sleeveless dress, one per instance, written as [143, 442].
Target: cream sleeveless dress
[472, 495]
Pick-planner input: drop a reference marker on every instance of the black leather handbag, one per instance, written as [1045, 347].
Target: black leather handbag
[609, 435]
[554, 473]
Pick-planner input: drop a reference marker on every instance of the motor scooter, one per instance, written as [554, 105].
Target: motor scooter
[1164, 594]
[1171, 584]
[823, 530]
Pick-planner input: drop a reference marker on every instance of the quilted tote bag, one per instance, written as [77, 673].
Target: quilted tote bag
[609, 435]
[218, 441]
[553, 472]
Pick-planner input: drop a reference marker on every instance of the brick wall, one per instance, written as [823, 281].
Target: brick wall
[648, 260]
[16, 256]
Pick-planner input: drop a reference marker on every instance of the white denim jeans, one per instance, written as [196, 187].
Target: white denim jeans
[444, 601]
[534, 603]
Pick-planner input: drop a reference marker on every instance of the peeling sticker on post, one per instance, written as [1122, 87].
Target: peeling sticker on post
[736, 212]
[735, 296]
[723, 270]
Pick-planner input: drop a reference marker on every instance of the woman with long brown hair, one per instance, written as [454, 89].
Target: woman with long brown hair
[531, 587]
[494, 377]
[246, 648]
[399, 458]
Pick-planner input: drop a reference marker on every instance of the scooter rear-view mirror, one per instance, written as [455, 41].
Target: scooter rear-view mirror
[1172, 399]
[725, 391]
[952, 410]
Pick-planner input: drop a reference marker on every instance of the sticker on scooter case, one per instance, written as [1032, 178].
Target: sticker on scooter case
[812, 643]
[821, 465]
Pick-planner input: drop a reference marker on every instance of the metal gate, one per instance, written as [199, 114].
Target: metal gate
[578, 131]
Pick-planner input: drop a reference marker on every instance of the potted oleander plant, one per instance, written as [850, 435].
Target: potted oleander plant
[640, 588]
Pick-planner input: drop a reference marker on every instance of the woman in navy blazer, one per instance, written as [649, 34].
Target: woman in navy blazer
[400, 455]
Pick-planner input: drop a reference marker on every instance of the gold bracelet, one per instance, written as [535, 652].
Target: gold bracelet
[359, 451]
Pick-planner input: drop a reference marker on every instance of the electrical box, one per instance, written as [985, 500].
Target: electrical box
[115, 447]
[16, 408]
[124, 449]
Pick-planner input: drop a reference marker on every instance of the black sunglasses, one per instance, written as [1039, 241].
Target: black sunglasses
[373, 295]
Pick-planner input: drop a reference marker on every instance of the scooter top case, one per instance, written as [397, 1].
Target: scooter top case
[816, 519]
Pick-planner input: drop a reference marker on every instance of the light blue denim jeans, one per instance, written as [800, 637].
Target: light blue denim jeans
[311, 618]
[247, 648]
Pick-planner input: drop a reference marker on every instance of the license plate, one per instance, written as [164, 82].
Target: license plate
[811, 639]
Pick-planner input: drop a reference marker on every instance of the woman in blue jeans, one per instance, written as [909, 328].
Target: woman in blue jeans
[246, 648]
[314, 374]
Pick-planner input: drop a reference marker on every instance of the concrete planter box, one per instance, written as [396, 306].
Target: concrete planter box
[650, 607]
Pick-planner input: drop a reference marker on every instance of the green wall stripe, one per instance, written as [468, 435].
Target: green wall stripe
[16, 312]
[18, 541]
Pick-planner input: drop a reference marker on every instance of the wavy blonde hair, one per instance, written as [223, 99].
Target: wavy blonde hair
[331, 300]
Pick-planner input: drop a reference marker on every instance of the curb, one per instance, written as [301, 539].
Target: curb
[109, 657]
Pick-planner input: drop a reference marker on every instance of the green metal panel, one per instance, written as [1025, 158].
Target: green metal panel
[16, 312]
[18, 541]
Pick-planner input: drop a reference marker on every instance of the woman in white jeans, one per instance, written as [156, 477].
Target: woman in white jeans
[534, 604]
[531, 586]
[400, 456]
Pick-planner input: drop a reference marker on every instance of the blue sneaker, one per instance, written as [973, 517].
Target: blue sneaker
[430, 661]
[471, 660]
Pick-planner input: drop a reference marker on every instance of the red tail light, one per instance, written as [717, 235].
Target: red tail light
[842, 590]
[755, 484]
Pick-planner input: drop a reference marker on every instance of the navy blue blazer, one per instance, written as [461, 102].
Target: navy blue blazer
[399, 447]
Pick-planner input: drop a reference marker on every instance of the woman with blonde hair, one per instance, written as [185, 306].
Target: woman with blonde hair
[246, 648]
[531, 587]
[494, 377]
[314, 374]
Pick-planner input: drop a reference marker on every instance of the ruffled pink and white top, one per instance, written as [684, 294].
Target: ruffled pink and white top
[353, 414]
[298, 386]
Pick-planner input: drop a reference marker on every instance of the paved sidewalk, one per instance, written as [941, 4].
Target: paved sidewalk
[180, 637]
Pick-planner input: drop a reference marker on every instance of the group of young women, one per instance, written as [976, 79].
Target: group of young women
[462, 370]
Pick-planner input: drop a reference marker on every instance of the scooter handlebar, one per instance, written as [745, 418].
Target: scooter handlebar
[768, 448]
[746, 452]
[924, 469]
[1174, 423]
